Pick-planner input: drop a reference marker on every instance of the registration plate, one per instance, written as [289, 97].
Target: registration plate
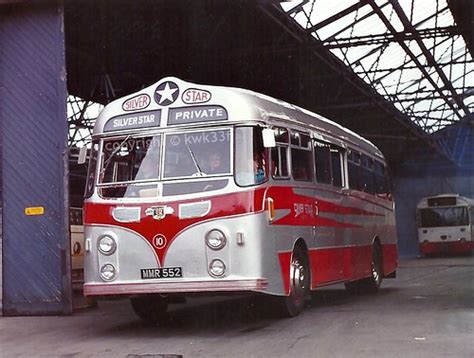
[162, 272]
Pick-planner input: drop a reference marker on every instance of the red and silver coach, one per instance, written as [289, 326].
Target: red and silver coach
[206, 189]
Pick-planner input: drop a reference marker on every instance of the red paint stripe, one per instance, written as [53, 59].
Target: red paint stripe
[303, 211]
[327, 265]
[285, 198]
[382, 198]
[306, 210]
[358, 264]
[285, 260]
[390, 258]
[306, 220]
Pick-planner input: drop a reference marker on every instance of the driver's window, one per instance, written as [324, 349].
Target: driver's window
[279, 163]
[251, 167]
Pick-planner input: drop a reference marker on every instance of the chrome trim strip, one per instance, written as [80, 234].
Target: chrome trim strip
[259, 284]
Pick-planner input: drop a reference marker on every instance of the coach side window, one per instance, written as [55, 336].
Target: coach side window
[337, 162]
[301, 157]
[322, 158]
[279, 160]
[382, 179]
[354, 169]
[329, 160]
[367, 174]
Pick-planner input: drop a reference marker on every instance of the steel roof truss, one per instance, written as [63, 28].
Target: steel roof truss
[428, 55]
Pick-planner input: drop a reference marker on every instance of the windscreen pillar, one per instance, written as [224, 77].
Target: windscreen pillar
[34, 173]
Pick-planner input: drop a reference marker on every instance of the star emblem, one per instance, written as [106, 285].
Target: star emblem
[166, 93]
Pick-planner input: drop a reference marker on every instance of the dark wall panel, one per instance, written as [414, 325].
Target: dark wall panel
[36, 263]
[1, 226]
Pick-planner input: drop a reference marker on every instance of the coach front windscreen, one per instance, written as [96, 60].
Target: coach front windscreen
[165, 164]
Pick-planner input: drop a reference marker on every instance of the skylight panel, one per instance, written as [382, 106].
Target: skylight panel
[288, 6]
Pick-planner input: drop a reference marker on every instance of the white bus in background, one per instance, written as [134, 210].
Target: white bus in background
[445, 224]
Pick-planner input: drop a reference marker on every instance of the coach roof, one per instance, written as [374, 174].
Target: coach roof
[172, 101]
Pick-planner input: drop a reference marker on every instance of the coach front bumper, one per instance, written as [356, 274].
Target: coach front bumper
[134, 254]
[194, 286]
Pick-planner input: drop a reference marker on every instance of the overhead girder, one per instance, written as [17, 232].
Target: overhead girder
[416, 25]
[429, 56]
[387, 38]
[414, 58]
[337, 16]
[392, 69]
[354, 22]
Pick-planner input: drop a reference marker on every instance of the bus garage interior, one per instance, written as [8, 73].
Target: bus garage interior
[407, 86]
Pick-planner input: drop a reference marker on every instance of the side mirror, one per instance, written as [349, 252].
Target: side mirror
[82, 155]
[268, 136]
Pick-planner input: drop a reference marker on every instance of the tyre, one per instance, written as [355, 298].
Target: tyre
[375, 280]
[299, 275]
[150, 309]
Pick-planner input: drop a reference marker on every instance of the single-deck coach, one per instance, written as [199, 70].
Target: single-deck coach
[205, 189]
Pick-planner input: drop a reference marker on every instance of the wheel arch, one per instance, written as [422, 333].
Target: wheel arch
[301, 244]
[377, 243]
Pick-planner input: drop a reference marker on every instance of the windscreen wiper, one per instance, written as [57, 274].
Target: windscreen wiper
[115, 151]
[199, 172]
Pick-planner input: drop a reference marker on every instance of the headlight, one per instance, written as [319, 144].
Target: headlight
[108, 272]
[217, 268]
[215, 239]
[106, 245]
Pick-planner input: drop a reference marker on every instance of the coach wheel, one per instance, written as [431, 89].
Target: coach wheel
[375, 281]
[150, 309]
[294, 303]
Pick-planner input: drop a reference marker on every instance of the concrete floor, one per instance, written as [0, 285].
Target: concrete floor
[427, 311]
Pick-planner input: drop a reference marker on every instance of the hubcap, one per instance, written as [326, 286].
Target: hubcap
[297, 280]
[376, 267]
[375, 273]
